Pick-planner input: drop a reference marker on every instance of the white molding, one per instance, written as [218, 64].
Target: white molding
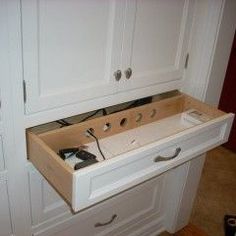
[12, 116]
[221, 53]
[206, 23]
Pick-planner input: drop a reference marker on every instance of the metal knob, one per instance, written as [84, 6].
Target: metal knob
[128, 73]
[117, 75]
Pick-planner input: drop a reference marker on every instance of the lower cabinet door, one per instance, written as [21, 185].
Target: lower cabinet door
[5, 219]
[46, 204]
[129, 212]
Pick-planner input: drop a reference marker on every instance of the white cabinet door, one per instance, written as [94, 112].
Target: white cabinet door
[70, 50]
[155, 42]
[5, 219]
[2, 164]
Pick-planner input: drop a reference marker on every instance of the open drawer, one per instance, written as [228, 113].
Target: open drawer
[137, 143]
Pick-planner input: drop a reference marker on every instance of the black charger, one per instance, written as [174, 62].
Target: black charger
[87, 159]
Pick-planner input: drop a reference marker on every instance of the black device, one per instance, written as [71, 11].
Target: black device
[83, 164]
[230, 225]
[84, 155]
[70, 151]
[87, 159]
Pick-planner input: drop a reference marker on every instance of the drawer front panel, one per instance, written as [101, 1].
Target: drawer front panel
[139, 165]
[117, 214]
[2, 164]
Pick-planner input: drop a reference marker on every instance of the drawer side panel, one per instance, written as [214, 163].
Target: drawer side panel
[50, 166]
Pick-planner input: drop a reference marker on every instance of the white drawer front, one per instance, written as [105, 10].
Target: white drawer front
[116, 214]
[98, 183]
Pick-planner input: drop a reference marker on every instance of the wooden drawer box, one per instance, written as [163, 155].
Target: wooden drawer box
[139, 143]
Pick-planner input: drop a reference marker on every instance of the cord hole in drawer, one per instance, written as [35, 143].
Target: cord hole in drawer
[107, 127]
[139, 117]
[91, 131]
[153, 113]
[123, 122]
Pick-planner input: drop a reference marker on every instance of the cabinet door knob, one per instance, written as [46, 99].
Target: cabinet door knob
[117, 75]
[161, 158]
[128, 73]
[106, 223]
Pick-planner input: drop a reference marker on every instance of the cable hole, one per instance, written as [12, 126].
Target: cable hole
[153, 113]
[139, 117]
[123, 122]
[107, 127]
[91, 130]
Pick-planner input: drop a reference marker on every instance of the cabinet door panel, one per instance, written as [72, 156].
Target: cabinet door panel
[5, 219]
[45, 202]
[2, 164]
[70, 49]
[155, 41]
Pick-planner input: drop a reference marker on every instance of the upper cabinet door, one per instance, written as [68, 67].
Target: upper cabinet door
[155, 42]
[71, 50]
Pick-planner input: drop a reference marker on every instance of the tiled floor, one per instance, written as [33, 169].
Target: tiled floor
[217, 192]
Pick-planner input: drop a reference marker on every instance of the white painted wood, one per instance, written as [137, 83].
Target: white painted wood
[131, 207]
[5, 219]
[0, 106]
[224, 40]
[12, 112]
[211, 39]
[15, 121]
[132, 165]
[2, 163]
[68, 63]
[189, 192]
[45, 201]
[71, 50]
[155, 41]
[90, 105]
[181, 186]
[174, 187]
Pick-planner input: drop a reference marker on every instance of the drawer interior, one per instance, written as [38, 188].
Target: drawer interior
[117, 133]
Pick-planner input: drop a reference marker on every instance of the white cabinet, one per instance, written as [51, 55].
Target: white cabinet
[45, 202]
[71, 49]
[155, 41]
[5, 219]
[2, 163]
[129, 212]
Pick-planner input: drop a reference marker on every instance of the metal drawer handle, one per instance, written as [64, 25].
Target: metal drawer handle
[106, 223]
[161, 158]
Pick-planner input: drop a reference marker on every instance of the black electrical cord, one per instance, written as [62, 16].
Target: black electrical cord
[96, 112]
[63, 123]
[97, 142]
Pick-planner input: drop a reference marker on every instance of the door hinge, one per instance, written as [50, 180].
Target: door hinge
[186, 61]
[24, 91]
